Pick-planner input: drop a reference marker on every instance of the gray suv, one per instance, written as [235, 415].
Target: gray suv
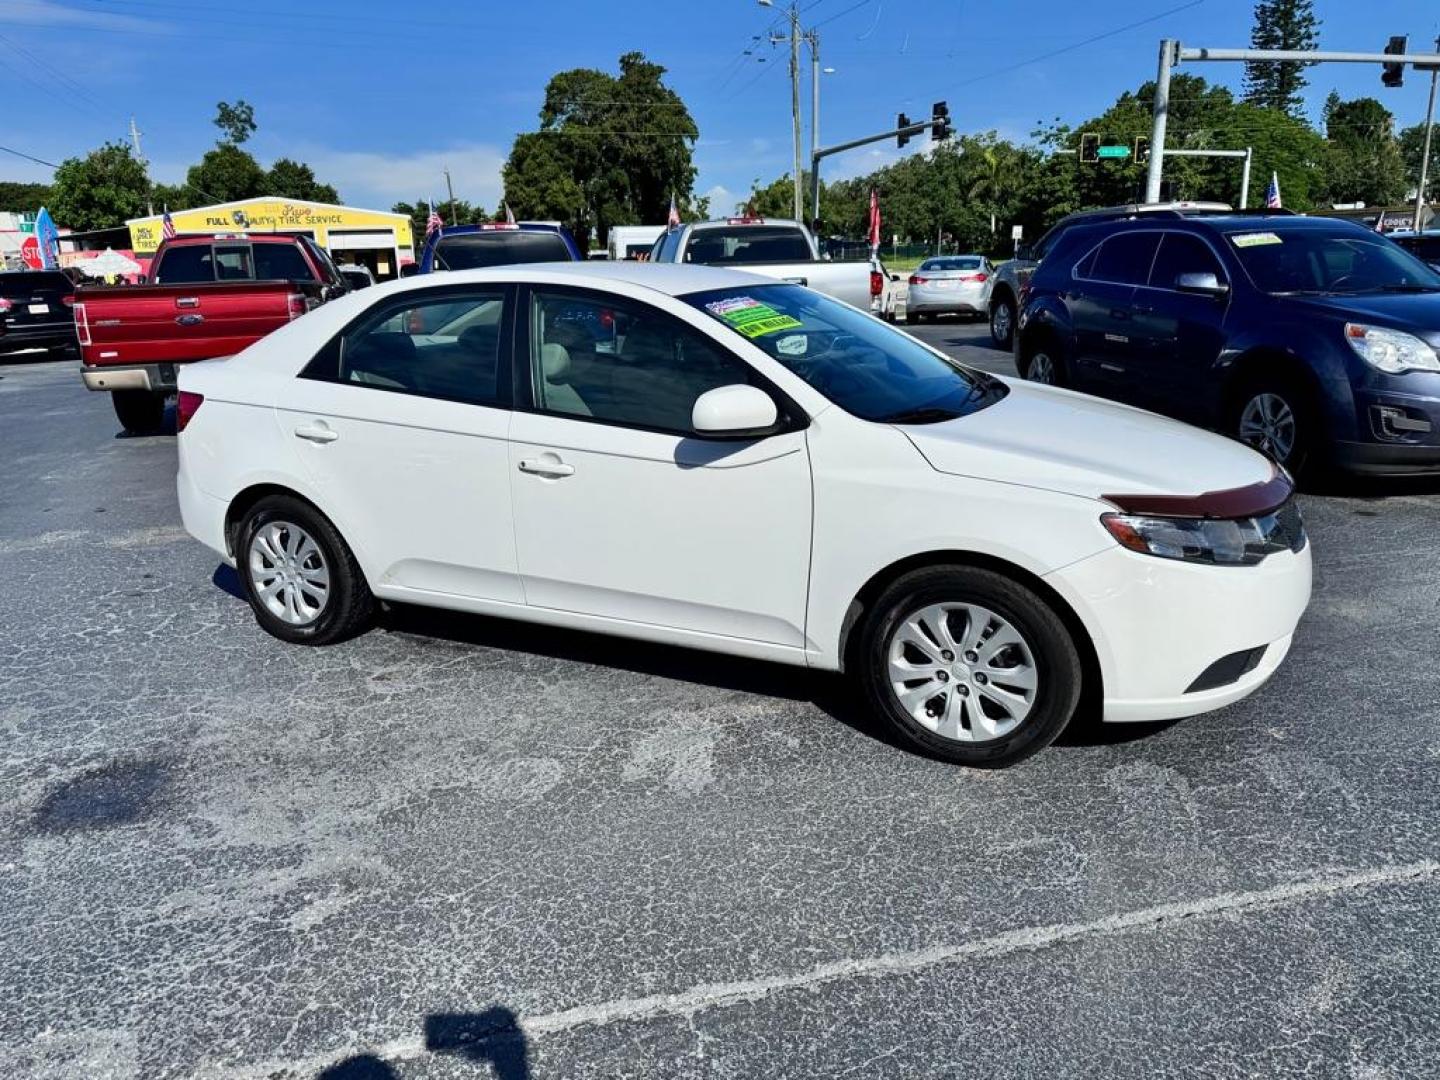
[1011, 277]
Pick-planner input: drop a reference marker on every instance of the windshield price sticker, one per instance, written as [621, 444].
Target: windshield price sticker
[750, 317]
[1255, 239]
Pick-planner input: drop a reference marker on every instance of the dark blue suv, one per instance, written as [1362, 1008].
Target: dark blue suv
[1314, 340]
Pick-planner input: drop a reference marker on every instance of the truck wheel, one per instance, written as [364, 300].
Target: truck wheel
[141, 412]
[969, 665]
[1002, 323]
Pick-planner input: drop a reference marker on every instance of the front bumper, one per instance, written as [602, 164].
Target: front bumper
[1159, 624]
[159, 378]
[1397, 426]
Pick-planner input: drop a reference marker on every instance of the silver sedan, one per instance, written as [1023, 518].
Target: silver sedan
[949, 285]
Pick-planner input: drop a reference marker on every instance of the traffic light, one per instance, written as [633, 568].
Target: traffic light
[1089, 147]
[902, 121]
[1394, 74]
[940, 118]
[1142, 148]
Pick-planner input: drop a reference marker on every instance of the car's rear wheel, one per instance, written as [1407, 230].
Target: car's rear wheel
[969, 665]
[300, 577]
[1042, 362]
[1274, 415]
[1002, 323]
[140, 412]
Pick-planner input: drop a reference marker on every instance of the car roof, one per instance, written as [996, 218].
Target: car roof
[673, 279]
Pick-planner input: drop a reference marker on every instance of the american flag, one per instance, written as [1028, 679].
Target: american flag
[167, 225]
[674, 217]
[1272, 193]
[434, 223]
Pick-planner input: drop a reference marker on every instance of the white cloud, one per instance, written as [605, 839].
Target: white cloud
[722, 200]
[377, 179]
[46, 13]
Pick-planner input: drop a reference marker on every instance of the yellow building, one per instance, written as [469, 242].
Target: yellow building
[379, 239]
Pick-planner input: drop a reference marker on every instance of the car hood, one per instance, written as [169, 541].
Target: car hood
[1418, 313]
[1045, 437]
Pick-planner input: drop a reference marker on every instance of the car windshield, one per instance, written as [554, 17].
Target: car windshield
[966, 262]
[869, 369]
[1326, 262]
[498, 247]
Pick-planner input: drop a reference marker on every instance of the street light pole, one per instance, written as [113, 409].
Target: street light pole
[1162, 116]
[1425, 153]
[795, 105]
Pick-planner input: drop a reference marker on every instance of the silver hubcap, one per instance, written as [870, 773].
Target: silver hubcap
[1268, 423]
[1000, 321]
[1042, 369]
[288, 571]
[962, 671]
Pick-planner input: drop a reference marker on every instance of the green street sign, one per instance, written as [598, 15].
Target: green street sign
[1114, 151]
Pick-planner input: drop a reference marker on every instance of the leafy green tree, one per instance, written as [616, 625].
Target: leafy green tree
[611, 149]
[236, 122]
[224, 174]
[458, 213]
[17, 195]
[1412, 146]
[295, 180]
[1280, 24]
[173, 197]
[1364, 163]
[100, 190]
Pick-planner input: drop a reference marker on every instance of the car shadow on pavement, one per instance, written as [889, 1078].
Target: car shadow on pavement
[492, 1037]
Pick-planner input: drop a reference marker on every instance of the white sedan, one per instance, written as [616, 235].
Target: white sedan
[949, 285]
[706, 458]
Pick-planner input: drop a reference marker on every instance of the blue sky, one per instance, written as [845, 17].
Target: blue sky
[379, 97]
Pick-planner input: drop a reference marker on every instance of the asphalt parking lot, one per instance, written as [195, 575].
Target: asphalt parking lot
[456, 847]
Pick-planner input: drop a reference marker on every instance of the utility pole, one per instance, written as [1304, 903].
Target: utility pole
[150, 205]
[795, 105]
[1162, 116]
[1425, 153]
[449, 188]
[813, 37]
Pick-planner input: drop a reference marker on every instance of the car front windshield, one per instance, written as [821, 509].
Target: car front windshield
[869, 369]
[1328, 262]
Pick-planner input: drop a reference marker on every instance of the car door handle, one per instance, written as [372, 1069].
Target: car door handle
[540, 467]
[187, 301]
[318, 434]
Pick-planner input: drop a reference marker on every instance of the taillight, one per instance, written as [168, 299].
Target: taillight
[877, 283]
[5, 305]
[979, 277]
[82, 325]
[916, 279]
[186, 407]
[295, 305]
[68, 301]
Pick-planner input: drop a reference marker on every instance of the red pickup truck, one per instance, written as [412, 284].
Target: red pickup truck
[206, 296]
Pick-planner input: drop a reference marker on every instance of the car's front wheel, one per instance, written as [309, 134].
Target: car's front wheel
[300, 577]
[969, 665]
[1274, 416]
[1002, 323]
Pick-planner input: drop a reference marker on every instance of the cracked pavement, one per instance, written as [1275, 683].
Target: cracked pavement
[457, 847]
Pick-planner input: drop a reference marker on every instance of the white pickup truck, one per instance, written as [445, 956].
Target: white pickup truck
[780, 249]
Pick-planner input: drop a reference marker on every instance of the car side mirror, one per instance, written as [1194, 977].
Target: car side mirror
[737, 411]
[1206, 284]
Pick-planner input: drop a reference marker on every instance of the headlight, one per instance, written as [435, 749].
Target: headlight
[1391, 350]
[1232, 542]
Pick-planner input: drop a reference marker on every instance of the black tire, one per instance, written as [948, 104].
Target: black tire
[1304, 457]
[140, 412]
[1048, 346]
[1059, 673]
[348, 606]
[1003, 335]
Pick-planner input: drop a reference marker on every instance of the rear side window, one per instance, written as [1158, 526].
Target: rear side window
[1124, 259]
[444, 347]
[233, 262]
[1182, 253]
[187, 265]
[275, 262]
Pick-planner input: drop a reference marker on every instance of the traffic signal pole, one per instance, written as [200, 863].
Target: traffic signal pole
[1425, 153]
[839, 148]
[1171, 54]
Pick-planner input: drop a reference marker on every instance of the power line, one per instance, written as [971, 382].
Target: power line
[30, 157]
